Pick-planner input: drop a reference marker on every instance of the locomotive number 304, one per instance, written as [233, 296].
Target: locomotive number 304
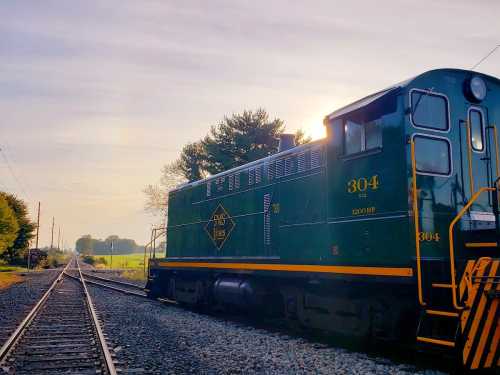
[362, 184]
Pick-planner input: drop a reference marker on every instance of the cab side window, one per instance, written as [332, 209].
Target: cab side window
[361, 137]
[429, 110]
[476, 129]
[432, 155]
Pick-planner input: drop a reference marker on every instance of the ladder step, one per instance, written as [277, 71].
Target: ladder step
[481, 244]
[437, 285]
[430, 340]
[450, 314]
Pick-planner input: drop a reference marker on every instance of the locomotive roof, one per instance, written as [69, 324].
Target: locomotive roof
[277, 155]
[373, 97]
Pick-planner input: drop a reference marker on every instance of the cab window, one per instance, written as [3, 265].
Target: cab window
[432, 155]
[361, 137]
[429, 110]
[476, 129]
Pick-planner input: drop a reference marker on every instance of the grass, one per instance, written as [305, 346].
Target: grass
[9, 278]
[133, 264]
[9, 268]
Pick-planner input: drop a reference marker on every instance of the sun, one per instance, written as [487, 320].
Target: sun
[316, 131]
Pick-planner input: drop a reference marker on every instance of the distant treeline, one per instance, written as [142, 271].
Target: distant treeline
[88, 245]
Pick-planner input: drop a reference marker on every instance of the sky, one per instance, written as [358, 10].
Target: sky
[95, 96]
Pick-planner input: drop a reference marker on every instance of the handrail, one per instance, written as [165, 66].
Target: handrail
[452, 249]
[496, 150]
[417, 225]
[469, 157]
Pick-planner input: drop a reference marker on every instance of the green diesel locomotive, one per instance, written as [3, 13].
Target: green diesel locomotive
[386, 230]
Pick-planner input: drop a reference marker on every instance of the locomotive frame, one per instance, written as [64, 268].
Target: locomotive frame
[386, 230]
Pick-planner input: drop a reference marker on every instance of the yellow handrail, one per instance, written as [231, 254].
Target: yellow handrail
[417, 226]
[496, 150]
[452, 249]
[469, 157]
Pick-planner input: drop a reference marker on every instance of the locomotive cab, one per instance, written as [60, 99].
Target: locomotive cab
[428, 146]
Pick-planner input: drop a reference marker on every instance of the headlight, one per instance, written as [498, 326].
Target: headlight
[476, 89]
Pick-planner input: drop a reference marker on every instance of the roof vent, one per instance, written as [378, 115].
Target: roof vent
[287, 141]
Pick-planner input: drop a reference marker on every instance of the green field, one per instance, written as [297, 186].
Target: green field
[124, 261]
[132, 263]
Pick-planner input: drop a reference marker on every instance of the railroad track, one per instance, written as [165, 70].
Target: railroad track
[119, 286]
[61, 334]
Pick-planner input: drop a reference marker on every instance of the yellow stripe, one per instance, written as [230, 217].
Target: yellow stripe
[436, 341]
[496, 339]
[485, 334]
[479, 314]
[481, 244]
[463, 282]
[349, 270]
[437, 285]
[471, 296]
[442, 313]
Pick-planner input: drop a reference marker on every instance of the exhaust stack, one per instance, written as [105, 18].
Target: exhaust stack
[286, 141]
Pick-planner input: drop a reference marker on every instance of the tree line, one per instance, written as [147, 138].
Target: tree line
[86, 245]
[16, 228]
[235, 140]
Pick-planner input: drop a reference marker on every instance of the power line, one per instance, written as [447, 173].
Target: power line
[485, 57]
[9, 166]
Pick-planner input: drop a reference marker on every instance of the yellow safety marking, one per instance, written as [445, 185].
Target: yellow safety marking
[479, 313]
[463, 282]
[472, 294]
[436, 341]
[350, 270]
[496, 339]
[437, 285]
[481, 244]
[441, 313]
[485, 334]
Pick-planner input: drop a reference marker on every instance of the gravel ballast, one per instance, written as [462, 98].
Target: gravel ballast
[17, 300]
[155, 338]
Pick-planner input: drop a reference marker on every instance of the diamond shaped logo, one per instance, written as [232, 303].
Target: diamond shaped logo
[219, 226]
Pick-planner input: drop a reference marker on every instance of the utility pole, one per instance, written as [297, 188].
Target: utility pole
[52, 237]
[111, 265]
[37, 226]
[37, 237]
[59, 239]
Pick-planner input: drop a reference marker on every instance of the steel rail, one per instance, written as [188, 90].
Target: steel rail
[104, 346]
[14, 337]
[117, 289]
[112, 281]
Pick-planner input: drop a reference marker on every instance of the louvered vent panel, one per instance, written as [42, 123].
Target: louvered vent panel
[231, 183]
[270, 171]
[237, 181]
[251, 176]
[301, 162]
[288, 166]
[258, 174]
[267, 219]
[315, 158]
[279, 168]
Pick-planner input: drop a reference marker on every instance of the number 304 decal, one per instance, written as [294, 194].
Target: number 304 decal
[362, 184]
[429, 236]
